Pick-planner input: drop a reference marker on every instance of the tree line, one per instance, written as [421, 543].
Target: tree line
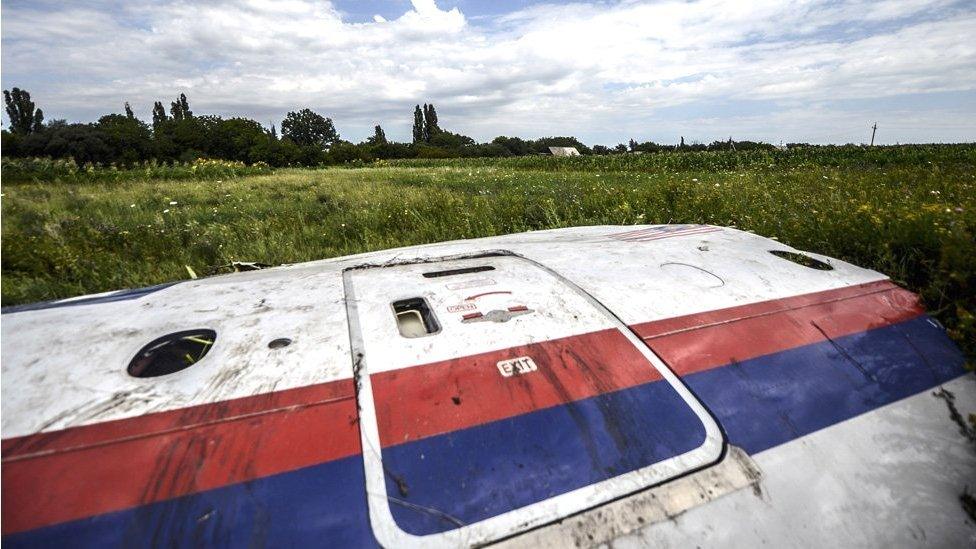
[307, 138]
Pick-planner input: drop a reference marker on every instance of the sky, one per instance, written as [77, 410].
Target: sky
[818, 71]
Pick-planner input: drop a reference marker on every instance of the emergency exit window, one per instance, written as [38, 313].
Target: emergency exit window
[415, 318]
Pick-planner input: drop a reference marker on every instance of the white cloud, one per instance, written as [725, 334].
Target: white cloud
[601, 71]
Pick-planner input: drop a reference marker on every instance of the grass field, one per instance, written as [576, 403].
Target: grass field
[909, 212]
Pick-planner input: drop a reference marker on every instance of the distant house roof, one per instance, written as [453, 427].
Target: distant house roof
[563, 151]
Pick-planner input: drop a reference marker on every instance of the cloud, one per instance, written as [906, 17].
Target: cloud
[604, 71]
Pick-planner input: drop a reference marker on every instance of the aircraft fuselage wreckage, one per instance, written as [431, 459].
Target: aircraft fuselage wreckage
[675, 385]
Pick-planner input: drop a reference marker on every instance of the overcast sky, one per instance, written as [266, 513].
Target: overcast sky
[809, 70]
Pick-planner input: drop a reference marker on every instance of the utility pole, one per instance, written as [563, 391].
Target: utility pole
[874, 128]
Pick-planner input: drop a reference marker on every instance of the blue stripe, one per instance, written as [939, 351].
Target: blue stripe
[769, 400]
[483, 471]
[323, 505]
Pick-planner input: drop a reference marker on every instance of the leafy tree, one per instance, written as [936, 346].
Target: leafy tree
[486, 150]
[234, 139]
[343, 152]
[276, 152]
[185, 139]
[128, 138]
[83, 142]
[632, 145]
[378, 136]
[450, 140]
[426, 151]
[274, 133]
[418, 125]
[514, 145]
[128, 111]
[431, 128]
[620, 148]
[310, 155]
[392, 150]
[180, 109]
[12, 144]
[306, 128]
[159, 114]
[601, 149]
[24, 118]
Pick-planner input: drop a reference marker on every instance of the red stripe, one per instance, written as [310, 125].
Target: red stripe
[636, 231]
[182, 418]
[671, 234]
[666, 326]
[658, 232]
[84, 471]
[436, 398]
[716, 338]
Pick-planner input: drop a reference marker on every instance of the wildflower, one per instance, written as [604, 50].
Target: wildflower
[695, 179]
[172, 202]
[166, 211]
[132, 205]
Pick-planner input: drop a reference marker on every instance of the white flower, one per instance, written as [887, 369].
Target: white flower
[132, 205]
[172, 202]
[166, 211]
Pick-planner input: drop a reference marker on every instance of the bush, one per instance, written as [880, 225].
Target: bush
[20, 170]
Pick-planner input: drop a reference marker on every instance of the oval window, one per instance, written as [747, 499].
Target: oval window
[171, 353]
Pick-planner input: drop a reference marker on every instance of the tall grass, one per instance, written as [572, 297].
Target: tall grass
[845, 156]
[909, 212]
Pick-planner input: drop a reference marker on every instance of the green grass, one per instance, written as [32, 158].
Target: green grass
[909, 212]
